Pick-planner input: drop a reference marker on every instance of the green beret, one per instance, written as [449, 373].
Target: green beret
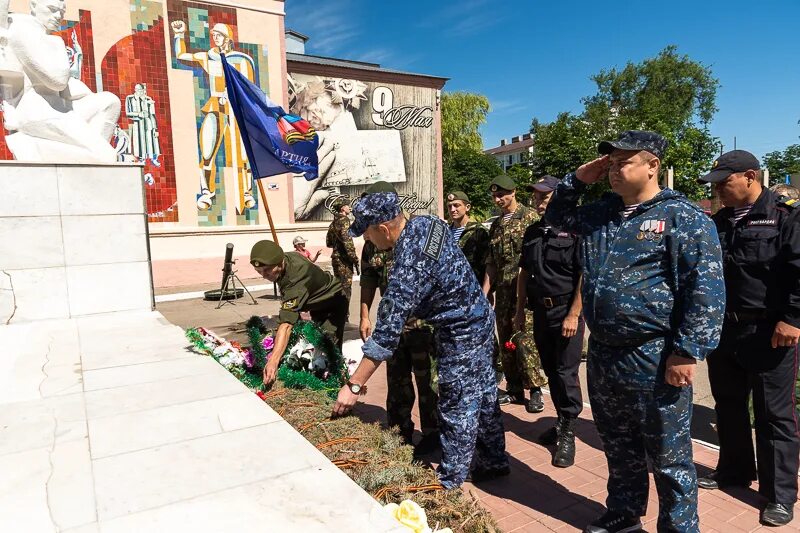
[503, 181]
[265, 253]
[458, 195]
[381, 186]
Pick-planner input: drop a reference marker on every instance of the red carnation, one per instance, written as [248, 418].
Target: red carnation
[510, 346]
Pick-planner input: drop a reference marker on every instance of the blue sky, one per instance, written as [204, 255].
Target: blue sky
[535, 57]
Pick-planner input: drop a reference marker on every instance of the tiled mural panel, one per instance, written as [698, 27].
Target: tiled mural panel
[198, 32]
[135, 69]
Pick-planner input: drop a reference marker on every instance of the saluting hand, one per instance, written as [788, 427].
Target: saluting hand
[680, 370]
[593, 170]
[785, 335]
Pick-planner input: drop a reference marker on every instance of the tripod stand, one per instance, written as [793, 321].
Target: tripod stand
[229, 288]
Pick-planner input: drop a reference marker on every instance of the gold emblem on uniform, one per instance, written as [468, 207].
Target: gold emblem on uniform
[716, 162]
[494, 187]
[289, 304]
[451, 197]
[256, 264]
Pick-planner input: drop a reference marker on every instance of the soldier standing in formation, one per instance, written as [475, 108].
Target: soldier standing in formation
[760, 235]
[413, 356]
[654, 300]
[431, 279]
[344, 259]
[502, 267]
[471, 236]
[549, 283]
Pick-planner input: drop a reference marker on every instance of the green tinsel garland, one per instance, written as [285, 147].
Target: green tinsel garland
[293, 379]
[197, 340]
[301, 379]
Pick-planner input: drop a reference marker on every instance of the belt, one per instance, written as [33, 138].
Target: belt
[746, 315]
[551, 301]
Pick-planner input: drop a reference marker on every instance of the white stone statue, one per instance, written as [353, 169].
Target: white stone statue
[53, 116]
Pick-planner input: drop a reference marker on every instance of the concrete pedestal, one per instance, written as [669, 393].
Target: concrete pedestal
[70, 236]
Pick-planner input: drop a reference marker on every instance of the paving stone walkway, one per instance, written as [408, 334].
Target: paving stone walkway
[538, 497]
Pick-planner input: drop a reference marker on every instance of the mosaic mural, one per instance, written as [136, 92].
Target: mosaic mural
[135, 69]
[199, 34]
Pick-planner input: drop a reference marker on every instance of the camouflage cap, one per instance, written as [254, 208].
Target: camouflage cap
[380, 186]
[265, 253]
[339, 203]
[458, 195]
[649, 141]
[503, 181]
[372, 209]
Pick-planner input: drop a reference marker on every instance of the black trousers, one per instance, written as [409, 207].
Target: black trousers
[561, 358]
[744, 362]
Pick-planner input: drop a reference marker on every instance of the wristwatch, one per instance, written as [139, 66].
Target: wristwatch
[355, 388]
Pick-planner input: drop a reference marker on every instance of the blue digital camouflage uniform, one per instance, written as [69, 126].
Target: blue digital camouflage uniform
[652, 287]
[432, 280]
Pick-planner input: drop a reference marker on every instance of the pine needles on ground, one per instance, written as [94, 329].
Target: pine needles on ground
[378, 461]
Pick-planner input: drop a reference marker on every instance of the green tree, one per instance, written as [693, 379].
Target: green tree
[522, 175]
[670, 94]
[462, 114]
[471, 171]
[561, 146]
[782, 162]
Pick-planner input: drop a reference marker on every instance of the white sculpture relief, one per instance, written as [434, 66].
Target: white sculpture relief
[52, 116]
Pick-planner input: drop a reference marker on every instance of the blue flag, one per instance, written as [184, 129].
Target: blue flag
[276, 142]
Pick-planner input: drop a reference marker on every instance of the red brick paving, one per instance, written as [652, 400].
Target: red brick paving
[539, 497]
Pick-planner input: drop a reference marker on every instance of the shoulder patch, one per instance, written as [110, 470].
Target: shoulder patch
[434, 242]
[791, 203]
[385, 309]
[289, 304]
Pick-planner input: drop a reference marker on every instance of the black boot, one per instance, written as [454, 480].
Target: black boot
[536, 403]
[565, 452]
[550, 436]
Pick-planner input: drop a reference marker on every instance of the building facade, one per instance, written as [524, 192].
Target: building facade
[516, 152]
[163, 59]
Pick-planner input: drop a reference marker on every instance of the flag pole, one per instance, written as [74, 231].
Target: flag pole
[266, 208]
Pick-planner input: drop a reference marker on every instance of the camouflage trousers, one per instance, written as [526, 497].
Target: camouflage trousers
[344, 273]
[470, 423]
[413, 356]
[522, 368]
[637, 423]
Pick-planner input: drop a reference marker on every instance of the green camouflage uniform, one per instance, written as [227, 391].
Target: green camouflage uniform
[474, 242]
[413, 355]
[505, 248]
[344, 257]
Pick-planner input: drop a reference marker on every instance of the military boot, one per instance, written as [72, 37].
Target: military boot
[550, 436]
[565, 451]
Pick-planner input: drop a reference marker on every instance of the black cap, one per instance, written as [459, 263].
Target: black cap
[546, 184]
[649, 141]
[731, 163]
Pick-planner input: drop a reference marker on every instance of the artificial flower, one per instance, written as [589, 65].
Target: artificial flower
[510, 346]
[410, 515]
